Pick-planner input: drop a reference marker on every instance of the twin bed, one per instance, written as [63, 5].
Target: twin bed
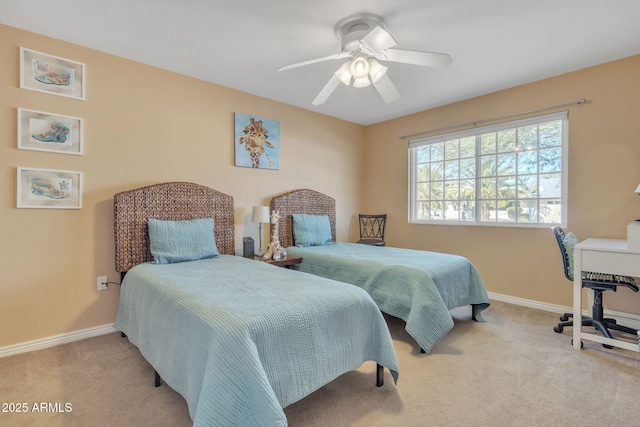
[418, 287]
[241, 339]
[237, 338]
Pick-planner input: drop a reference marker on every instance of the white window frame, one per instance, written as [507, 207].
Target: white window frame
[477, 132]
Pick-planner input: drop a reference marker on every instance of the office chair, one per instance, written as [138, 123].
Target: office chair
[599, 283]
[372, 229]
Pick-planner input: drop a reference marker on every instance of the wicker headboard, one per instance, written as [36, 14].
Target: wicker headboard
[303, 202]
[167, 201]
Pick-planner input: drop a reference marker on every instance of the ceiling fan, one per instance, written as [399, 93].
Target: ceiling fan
[364, 41]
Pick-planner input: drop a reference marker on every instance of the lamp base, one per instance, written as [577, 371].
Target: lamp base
[260, 251]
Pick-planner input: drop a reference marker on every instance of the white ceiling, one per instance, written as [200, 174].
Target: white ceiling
[494, 44]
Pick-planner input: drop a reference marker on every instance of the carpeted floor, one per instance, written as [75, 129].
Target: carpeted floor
[512, 370]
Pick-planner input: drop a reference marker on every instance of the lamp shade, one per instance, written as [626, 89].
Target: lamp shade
[260, 214]
[361, 82]
[359, 66]
[344, 74]
[638, 189]
[376, 71]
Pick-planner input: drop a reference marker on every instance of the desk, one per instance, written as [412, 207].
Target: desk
[604, 256]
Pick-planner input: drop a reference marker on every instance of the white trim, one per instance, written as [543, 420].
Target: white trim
[628, 319]
[55, 340]
[476, 133]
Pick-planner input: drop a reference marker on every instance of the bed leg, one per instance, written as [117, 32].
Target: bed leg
[476, 314]
[379, 375]
[156, 379]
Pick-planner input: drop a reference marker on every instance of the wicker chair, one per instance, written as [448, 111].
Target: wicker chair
[372, 229]
[599, 283]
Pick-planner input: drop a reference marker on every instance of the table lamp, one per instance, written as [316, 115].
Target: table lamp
[260, 215]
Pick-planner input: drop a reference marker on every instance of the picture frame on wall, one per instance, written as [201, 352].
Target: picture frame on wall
[49, 189]
[256, 142]
[42, 131]
[46, 73]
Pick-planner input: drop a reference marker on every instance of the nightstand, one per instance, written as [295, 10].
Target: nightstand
[287, 262]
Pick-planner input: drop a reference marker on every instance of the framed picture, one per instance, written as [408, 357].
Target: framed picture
[256, 142]
[50, 74]
[49, 189]
[38, 130]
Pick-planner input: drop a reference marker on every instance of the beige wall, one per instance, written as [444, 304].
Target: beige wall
[604, 170]
[142, 126]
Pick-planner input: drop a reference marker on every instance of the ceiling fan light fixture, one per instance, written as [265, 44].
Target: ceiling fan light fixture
[359, 67]
[344, 74]
[361, 81]
[376, 70]
[364, 38]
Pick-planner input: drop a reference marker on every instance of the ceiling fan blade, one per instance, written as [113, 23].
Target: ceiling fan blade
[313, 61]
[378, 40]
[327, 90]
[425, 59]
[387, 89]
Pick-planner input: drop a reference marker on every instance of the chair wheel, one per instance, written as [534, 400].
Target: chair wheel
[581, 344]
[558, 329]
[563, 318]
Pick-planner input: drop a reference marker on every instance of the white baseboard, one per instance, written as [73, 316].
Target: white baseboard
[627, 319]
[42, 343]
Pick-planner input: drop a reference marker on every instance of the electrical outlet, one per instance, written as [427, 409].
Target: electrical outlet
[101, 281]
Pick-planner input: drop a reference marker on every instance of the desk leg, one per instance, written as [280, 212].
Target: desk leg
[577, 297]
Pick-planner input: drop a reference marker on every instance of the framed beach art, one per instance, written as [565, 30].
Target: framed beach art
[257, 142]
[49, 189]
[51, 74]
[41, 131]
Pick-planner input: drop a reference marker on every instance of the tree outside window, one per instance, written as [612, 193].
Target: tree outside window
[508, 174]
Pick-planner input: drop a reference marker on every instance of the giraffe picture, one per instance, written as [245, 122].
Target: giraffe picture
[257, 142]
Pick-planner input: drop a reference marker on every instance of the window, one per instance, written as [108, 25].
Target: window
[511, 174]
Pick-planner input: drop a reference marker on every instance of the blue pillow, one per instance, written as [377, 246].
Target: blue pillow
[178, 241]
[311, 230]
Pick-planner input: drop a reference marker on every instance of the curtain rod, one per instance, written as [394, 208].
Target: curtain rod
[475, 123]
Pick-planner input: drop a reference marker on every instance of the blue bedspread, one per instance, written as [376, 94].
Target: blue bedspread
[241, 339]
[418, 287]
